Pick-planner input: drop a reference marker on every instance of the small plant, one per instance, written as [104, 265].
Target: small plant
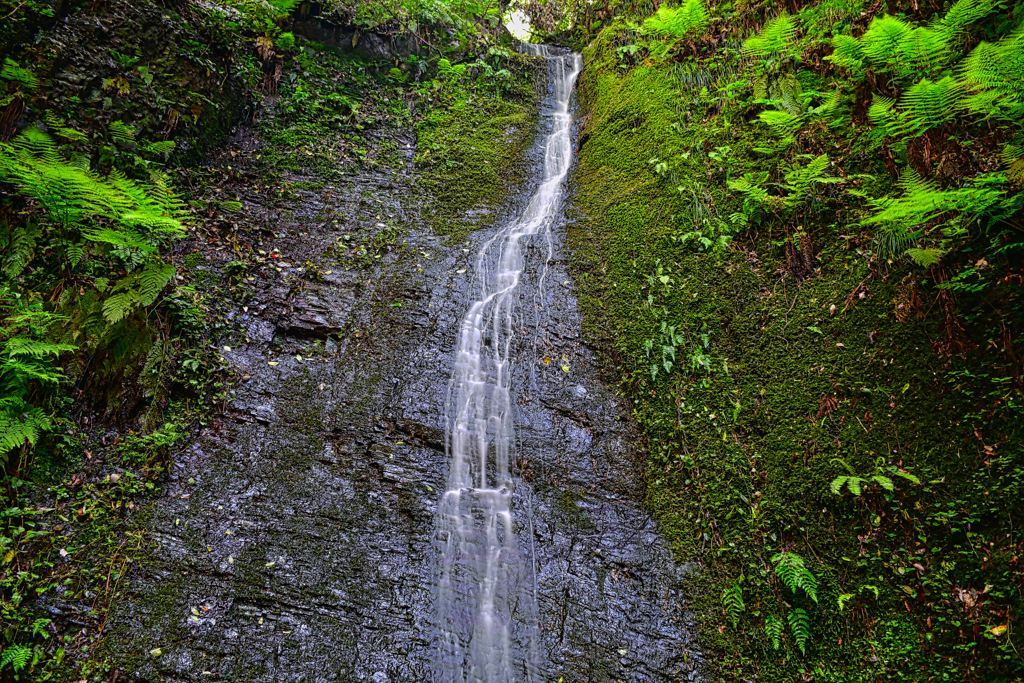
[790, 568]
[883, 476]
[678, 22]
[26, 367]
[732, 600]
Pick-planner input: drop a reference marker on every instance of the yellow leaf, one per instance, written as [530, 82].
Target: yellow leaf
[998, 630]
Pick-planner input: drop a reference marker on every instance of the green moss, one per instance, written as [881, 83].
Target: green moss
[470, 151]
[769, 386]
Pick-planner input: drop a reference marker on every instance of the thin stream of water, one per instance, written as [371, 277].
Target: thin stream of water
[486, 605]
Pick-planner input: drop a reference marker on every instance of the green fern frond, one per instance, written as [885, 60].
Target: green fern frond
[152, 280]
[773, 627]
[790, 568]
[117, 306]
[848, 53]
[21, 427]
[121, 238]
[13, 72]
[121, 132]
[964, 13]
[992, 73]
[844, 598]
[23, 346]
[678, 22]
[800, 626]
[882, 40]
[775, 37]
[921, 51]
[926, 258]
[732, 600]
[781, 121]
[57, 126]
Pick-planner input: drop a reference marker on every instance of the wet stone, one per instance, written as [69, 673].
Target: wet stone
[327, 472]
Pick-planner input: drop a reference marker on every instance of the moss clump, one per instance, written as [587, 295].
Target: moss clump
[756, 388]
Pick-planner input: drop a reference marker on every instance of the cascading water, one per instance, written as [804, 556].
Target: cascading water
[487, 609]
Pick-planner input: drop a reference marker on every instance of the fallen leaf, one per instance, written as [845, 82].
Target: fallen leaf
[273, 362]
[269, 564]
[156, 652]
[998, 630]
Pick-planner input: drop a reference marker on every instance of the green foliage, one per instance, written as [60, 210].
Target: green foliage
[800, 626]
[87, 213]
[16, 657]
[991, 75]
[27, 368]
[22, 76]
[678, 22]
[774, 627]
[775, 38]
[732, 600]
[883, 476]
[795, 575]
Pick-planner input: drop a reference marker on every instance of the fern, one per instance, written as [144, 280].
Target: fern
[882, 476]
[926, 258]
[678, 22]
[152, 280]
[992, 73]
[13, 72]
[800, 626]
[963, 14]
[790, 568]
[775, 37]
[16, 656]
[773, 627]
[732, 600]
[848, 52]
[121, 132]
[923, 201]
[20, 248]
[881, 42]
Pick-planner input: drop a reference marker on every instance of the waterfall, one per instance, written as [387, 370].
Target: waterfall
[486, 606]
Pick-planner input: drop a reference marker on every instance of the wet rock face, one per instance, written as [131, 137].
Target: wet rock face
[296, 539]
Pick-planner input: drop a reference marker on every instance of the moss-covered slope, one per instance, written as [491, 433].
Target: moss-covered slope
[764, 370]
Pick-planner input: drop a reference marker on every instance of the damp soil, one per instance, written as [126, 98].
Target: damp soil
[295, 538]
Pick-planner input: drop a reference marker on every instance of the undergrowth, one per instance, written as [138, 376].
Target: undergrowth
[792, 219]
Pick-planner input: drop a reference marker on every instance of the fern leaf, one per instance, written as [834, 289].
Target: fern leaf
[22, 346]
[926, 258]
[884, 482]
[964, 13]
[853, 483]
[773, 627]
[21, 427]
[844, 598]
[837, 484]
[882, 40]
[153, 279]
[13, 72]
[848, 53]
[800, 626]
[121, 132]
[732, 600]
[775, 37]
[678, 22]
[782, 122]
[795, 575]
[118, 306]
